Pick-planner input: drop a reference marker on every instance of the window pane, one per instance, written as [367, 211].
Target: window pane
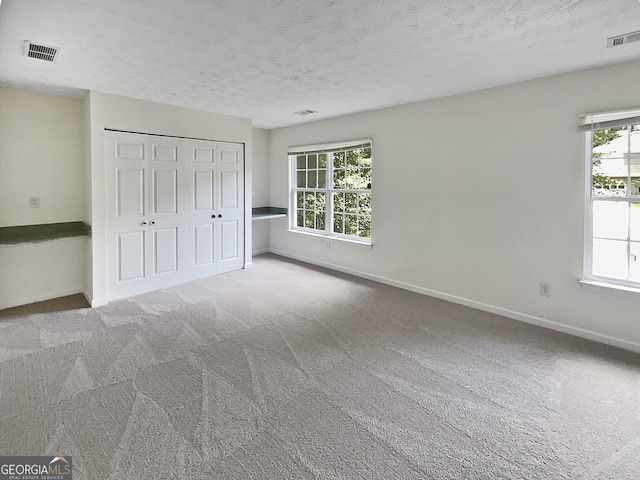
[338, 160]
[634, 262]
[366, 177]
[634, 221]
[351, 178]
[301, 161]
[350, 225]
[300, 222]
[322, 179]
[364, 227]
[634, 156]
[610, 142]
[364, 181]
[312, 161]
[609, 177]
[610, 219]
[365, 156]
[635, 165]
[338, 178]
[338, 223]
[312, 179]
[302, 179]
[320, 221]
[610, 258]
[300, 199]
[320, 201]
[338, 202]
[351, 202]
[309, 200]
[364, 203]
[352, 158]
[322, 160]
[309, 218]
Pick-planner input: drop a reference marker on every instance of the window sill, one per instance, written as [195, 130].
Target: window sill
[332, 239]
[610, 288]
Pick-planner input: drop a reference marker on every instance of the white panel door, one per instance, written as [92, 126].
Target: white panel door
[215, 207]
[126, 159]
[230, 211]
[201, 207]
[166, 211]
[175, 210]
[145, 213]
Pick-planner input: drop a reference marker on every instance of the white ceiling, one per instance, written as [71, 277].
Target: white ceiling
[265, 59]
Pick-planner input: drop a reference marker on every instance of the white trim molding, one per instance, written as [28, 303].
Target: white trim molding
[610, 288]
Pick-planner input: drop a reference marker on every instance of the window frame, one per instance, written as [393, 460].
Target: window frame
[329, 190]
[590, 124]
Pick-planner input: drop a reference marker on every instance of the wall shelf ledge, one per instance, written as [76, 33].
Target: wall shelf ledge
[42, 232]
[266, 213]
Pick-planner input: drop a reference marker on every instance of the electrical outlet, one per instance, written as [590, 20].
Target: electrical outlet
[34, 202]
[545, 289]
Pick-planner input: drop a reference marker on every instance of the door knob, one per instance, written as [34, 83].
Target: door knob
[220, 216]
[143, 223]
[213, 216]
[152, 222]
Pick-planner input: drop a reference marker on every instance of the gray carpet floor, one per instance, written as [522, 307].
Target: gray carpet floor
[288, 371]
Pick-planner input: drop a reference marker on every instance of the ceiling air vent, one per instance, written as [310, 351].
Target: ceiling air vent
[302, 113]
[42, 52]
[623, 39]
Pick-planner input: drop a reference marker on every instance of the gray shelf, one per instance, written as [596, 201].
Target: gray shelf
[42, 232]
[266, 213]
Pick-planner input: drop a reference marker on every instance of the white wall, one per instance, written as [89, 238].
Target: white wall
[478, 198]
[260, 167]
[120, 113]
[260, 187]
[33, 272]
[40, 155]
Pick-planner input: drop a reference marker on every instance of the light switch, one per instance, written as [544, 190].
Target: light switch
[34, 202]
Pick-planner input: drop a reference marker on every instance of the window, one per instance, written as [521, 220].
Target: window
[613, 223]
[331, 190]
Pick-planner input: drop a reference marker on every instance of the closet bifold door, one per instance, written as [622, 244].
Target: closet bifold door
[145, 212]
[215, 213]
[201, 207]
[230, 254]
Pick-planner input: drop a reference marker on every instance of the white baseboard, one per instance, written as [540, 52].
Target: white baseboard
[522, 317]
[99, 302]
[39, 298]
[261, 251]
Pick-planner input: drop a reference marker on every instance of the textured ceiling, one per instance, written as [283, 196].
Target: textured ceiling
[265, 59]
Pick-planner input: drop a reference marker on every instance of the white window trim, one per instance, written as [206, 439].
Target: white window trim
[347, 239]
[588, 213]
[327, 233]
[610, 288]
[588, 123]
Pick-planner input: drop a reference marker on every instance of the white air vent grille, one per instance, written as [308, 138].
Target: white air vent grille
[302, 113]
[41, 52]
[623, 39]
